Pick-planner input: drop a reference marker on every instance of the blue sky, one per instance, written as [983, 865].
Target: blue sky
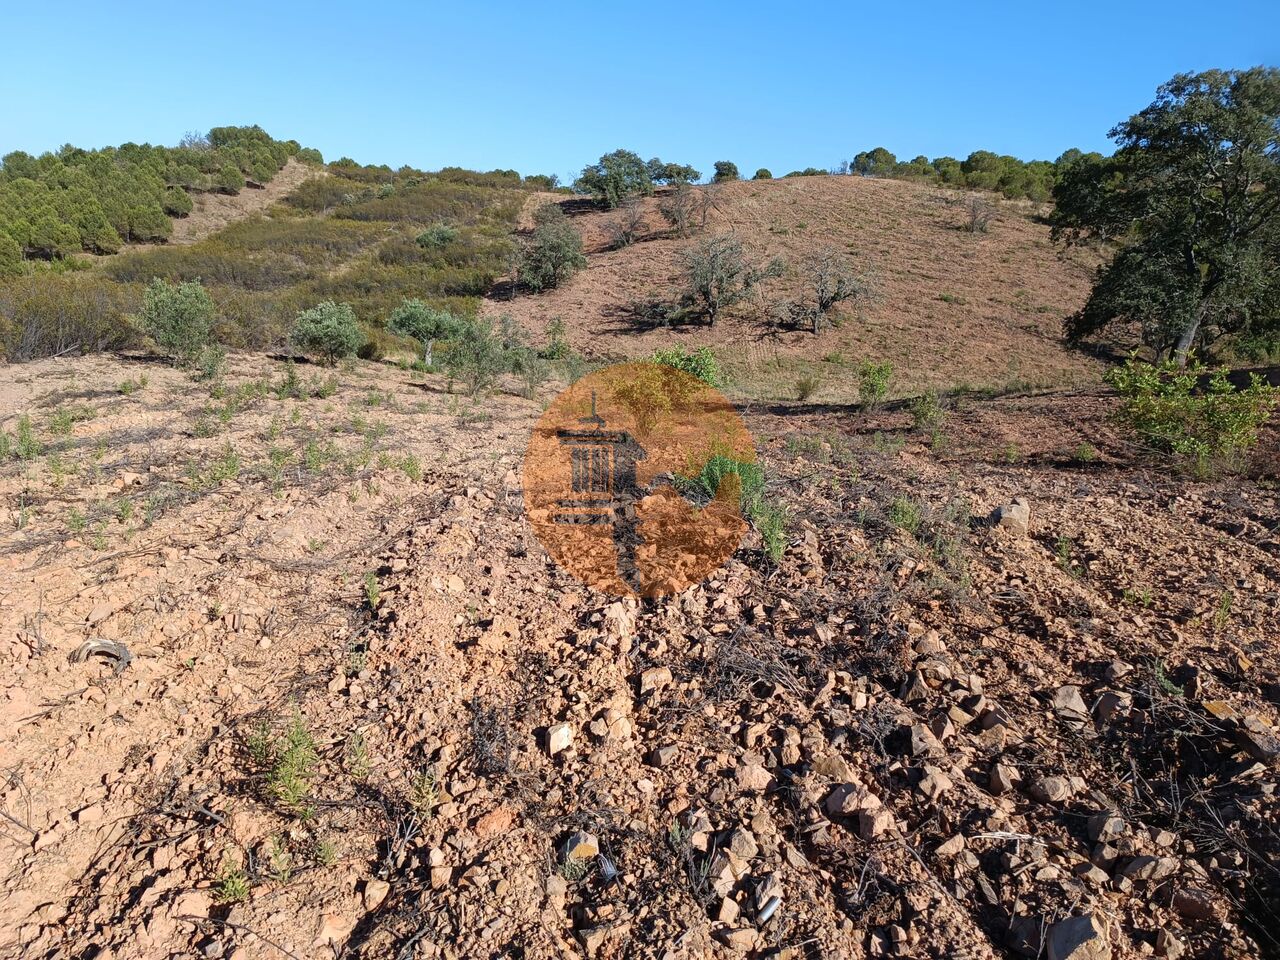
[545, 88]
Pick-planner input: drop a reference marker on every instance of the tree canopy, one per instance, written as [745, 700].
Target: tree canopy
[621, 175]
[95, 200]
[1192, 197]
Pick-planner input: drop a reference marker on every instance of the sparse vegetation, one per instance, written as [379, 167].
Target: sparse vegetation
[627, 225]
[700, 363]
[927, 412]
[231, 885]
[687, 208]
[873, 382]
[289, 761]
[979, 213]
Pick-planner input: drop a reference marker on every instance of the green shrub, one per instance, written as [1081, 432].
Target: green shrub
[437, 236]
[557, 347]
[423, 323]
[927, 412]
[476, 357]
[328, 329]
[906, 514]
[723, 474]
[554, 252]
[10, 255]
[1198, 417]
[211, 361]
[807, 386]
[27, 445]
[873, 382]
[701, 363]
[177, 203]
[770, 521]
[763, 174]
[178, 317]
[230, 179]
[726, 476]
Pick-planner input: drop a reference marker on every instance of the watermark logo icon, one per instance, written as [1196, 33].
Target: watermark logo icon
[616, 480]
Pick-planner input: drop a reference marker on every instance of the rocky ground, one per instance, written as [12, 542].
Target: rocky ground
[287, 675]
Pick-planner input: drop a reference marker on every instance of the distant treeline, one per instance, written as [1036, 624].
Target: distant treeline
[96, 200]
[622, 174]
[981, 170]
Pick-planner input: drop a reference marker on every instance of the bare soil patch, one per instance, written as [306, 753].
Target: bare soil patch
[922, 734]
[954, 307]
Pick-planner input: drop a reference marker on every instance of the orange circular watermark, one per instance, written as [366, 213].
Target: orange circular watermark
[633, 479]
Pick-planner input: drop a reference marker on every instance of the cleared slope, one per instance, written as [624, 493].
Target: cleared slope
[954, 308]
[213, 211]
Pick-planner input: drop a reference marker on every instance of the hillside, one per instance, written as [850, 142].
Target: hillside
[212, 212]
[347, 233]
[953, 308]
[58, 204]
[286, 672]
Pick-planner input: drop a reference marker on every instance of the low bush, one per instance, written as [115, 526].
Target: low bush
[437, 236]
[725, 476]
[329, 330]
[475, 357]
[554, 252]
[873, 382]
[1197, 416]
[927, 412]
[627, 225]
[807, 386]
[43, 315]
[178, 318]
[700, 363]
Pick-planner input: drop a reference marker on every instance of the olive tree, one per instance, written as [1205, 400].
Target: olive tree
[329, 330]
[416, 319]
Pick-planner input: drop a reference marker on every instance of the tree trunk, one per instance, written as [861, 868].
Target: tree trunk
[428, 353]
[1187, 339]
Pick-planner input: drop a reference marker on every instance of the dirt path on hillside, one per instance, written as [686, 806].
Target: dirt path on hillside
[213, 211]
